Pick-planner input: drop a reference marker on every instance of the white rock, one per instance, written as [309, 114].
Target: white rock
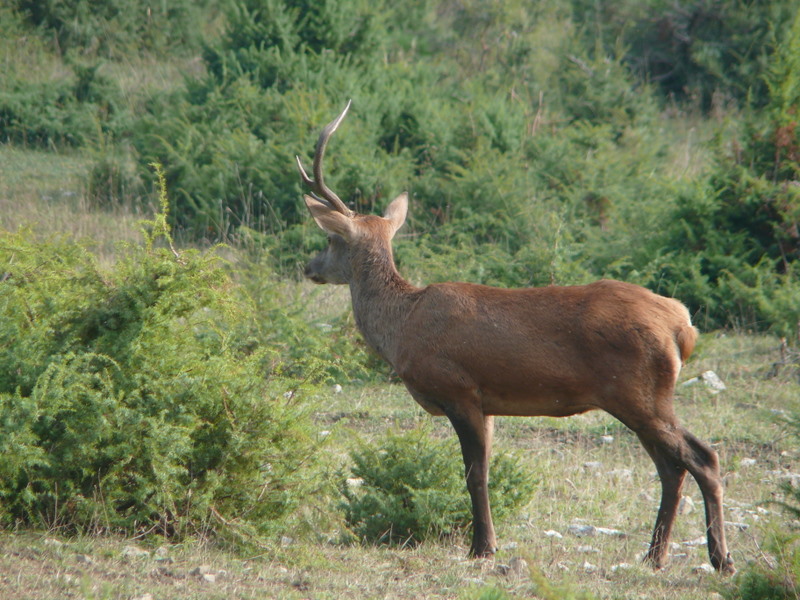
[700, 541]
[686, 505]
[553, 534]
[711, 381]
[588, 567]
[582, 530]
[593, 466]
[704, 568]
[621, 567]
[747, 462]
[607, 439]
[134, 552]
[587, 550]
[621, 475]
[510, 546]
[337, 389]
[792, 478]
[609, 531]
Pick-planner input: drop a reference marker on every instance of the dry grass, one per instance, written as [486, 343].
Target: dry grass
[45, 191]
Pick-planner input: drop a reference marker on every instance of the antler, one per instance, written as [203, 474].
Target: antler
[318, 188]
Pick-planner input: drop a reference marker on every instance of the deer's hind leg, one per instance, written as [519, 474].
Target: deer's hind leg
[675, 451]
[672, 476]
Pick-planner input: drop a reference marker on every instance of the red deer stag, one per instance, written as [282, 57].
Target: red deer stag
[471, 352]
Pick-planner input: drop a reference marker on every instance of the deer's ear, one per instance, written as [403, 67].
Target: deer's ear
[396, 212]
[329, 219]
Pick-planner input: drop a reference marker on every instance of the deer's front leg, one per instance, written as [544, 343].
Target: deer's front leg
[475, 432]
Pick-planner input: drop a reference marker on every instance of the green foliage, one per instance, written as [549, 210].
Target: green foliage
[778, 581]
[68, 111]
[114, 28]
[44, 114]
[533, 138]
[132, 399]
[709, 51]
[311, 348]
[411, 488]
[733, 244]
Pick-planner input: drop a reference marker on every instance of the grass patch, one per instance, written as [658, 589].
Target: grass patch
[46, 191]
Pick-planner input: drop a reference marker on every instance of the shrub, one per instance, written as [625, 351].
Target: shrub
[133, 399]
[411, 488]
[44, 114]
[68, 111]
[704, 51]
[312, 347]
[732, 246]
[777, 579]
[114, 28]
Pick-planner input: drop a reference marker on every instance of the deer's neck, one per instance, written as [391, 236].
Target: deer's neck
[381, 299]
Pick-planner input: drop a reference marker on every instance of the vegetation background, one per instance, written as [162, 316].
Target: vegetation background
[164, 373]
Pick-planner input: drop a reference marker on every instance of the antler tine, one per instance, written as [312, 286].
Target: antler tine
[317, 185]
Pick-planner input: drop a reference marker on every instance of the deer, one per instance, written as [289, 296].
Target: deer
[472, 352]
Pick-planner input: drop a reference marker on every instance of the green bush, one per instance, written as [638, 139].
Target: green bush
[312, 347]
[732, 244]
[68, 111]
[44, 114]
[411, 488]
[116, 28]
[779, 580]
[709, 52]
[133, 399]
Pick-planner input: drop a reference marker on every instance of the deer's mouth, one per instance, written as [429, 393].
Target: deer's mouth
[315, 277]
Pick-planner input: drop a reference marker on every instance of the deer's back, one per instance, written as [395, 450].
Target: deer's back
[553, 343]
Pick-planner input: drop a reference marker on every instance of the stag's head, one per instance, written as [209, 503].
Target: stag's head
[349, 234]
